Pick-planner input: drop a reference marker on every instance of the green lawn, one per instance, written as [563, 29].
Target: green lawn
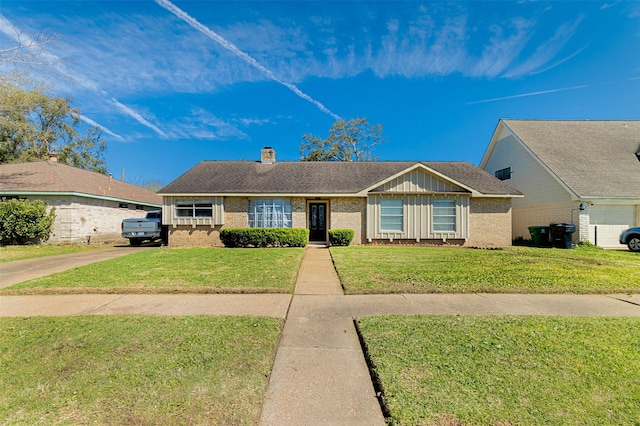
[11, 253]
[466, 370]
[395, 269]
[135, 370]
[164, 270]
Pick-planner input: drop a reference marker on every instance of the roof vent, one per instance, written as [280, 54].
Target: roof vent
[267, 155]
[638, 155]
[53, 157]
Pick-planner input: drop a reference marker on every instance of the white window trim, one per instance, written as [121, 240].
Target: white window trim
[402, 215]
[193, 205]
[283, 213]
[454, 216]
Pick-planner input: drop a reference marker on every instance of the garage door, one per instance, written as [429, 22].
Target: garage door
[607, 223]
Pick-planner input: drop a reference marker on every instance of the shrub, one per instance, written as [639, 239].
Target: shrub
[587, 245]
[341, 237]
[264, 237]
[23, 221]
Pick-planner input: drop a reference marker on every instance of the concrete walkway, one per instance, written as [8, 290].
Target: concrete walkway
[320, 374]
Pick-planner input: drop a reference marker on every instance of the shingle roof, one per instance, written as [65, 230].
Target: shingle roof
[50, 176]
[593, 158]
[321, 177]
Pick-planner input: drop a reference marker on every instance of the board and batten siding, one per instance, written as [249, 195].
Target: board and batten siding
[417, 218]
[417, 180]
[527, 175]
[170, 218]
[417, 208]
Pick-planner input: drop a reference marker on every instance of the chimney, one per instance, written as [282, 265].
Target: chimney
[53, 157]
[267, 155]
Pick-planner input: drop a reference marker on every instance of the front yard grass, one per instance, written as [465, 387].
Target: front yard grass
[164, 270]
[134, 370]
[464, 370]
[385, 269]
[11, 253]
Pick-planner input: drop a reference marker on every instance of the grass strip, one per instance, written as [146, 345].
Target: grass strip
[165, 270]
[135, 370]
[11, 253]
[394, 269]
[479, 370]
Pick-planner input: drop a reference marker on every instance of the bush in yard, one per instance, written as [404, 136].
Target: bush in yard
[23, 221]
[341, 237]
[264, 237]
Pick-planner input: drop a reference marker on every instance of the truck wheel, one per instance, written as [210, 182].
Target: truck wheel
[634, 243]
[135, 242]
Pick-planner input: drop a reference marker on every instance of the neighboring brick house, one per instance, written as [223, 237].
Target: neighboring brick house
[87, 204]
[416, 202]
[583, 172]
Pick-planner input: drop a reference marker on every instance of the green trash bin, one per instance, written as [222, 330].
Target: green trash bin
[540, 236]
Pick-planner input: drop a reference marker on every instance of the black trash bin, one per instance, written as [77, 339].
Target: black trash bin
[540, 236]
[561, 234]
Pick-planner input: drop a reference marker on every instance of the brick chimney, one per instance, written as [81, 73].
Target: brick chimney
[53, 157]
[267, 155]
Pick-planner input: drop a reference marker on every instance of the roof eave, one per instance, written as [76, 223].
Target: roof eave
[77, 194]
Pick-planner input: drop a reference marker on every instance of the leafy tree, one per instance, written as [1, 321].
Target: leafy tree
[34, 124]
[22, 221]
[352, 140]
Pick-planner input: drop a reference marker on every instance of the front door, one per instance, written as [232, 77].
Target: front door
[317, 221]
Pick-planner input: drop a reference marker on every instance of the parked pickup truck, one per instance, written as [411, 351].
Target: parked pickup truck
[149, 228]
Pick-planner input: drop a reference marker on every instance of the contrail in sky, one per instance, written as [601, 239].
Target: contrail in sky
[104, 129]
[239, 53]
[139, 118]
[11, 31]
[522, 95]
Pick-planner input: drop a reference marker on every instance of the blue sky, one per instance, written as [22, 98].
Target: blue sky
[175, 83]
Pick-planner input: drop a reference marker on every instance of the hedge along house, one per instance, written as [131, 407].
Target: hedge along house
[581, 171]
[415, 202]
[87, 204]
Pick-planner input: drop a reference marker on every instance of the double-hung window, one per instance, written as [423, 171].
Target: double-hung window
[391, 214]
[189, 208]
[444, 216]
[270, 213]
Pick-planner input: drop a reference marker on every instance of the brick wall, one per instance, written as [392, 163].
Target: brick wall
[349, 213]
[79, 217]
[235, 216]
[490, 222]
[200, 236]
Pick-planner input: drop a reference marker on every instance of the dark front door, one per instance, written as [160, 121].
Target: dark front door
[317, 221]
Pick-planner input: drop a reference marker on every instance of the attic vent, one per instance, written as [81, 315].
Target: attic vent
[638, 155]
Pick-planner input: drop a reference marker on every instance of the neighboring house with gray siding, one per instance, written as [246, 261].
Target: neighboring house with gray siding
[581, 172]
[87, 204]
[414, 202]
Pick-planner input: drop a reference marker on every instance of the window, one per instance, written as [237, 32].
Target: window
[444, 216]
[270, 213]
[504, 174]
[391, 214]
[200, 208]
[139, 207]
[123, 205]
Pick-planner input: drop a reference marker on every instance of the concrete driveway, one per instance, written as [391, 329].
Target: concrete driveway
[22, 270]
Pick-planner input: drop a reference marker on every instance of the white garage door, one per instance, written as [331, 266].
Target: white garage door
[607, 223]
